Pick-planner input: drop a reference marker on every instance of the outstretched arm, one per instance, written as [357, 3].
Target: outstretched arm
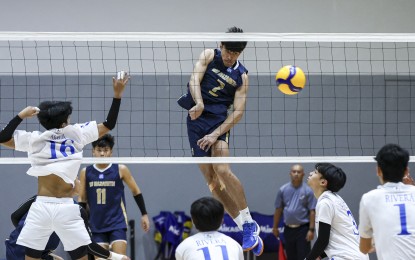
[194, 84]
[126, 176]
[6, 135]
[109, 124]
[239, 108]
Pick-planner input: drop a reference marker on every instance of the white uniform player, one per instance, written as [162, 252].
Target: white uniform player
[57, 151]
[338, 235]
[211, 245]
[387, 214]
[56, 156]
[344, 234]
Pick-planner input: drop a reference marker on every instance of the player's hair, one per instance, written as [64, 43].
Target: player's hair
[393, 161]
[235, 46]
[207, 214]
[335, 176]
[53, 114]
[106, 140]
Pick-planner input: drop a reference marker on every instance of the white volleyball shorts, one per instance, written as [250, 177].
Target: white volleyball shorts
[48, 215]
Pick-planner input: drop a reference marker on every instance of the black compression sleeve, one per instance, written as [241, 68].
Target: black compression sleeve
[321, 242]
[7, 133]
[83, 205]
[98, 250]
[21, 211]
[84, 216]
[140, 203]
[113, 114]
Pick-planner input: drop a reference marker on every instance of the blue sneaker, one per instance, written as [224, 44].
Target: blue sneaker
[259, 249]
[250, 235]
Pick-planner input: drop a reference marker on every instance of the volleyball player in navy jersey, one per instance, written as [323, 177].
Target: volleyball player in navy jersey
[218, 82]
[102, 189]
[55, 156]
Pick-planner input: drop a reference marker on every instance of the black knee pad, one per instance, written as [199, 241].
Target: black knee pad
[78, 253]
[33, 253]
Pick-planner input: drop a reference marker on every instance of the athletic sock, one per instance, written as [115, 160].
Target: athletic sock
[238, 220]
[246, 216]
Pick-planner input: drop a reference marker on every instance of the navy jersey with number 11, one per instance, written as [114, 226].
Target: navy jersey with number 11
[106, 200]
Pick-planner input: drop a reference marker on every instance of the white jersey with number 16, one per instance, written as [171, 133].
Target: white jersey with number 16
[57, 151]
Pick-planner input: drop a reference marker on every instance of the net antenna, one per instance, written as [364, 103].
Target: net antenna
[359, 93]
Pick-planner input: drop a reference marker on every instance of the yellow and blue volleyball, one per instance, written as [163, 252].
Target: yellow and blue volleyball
[290, 80]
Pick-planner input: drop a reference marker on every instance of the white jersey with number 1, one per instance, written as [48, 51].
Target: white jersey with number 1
[344, 235]
[209, 246]
[57, 151]
[387, 214]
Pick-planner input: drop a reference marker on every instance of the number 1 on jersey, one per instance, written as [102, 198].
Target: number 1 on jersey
[402, 215]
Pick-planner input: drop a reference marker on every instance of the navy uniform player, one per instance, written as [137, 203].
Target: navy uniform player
[387, 214]
[56, 155]
[219, 81]
[207, 215]
[102, 189]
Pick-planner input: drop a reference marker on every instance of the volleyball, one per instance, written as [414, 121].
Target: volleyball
[290, 80]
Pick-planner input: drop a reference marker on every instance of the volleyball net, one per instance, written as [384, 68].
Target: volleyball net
[359, 93]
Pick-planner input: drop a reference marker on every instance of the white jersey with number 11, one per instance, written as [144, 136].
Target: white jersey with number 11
[209, 246]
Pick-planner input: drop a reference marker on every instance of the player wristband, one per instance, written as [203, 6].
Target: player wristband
[113, 114]
[115, 256]
[7, 133]
[140, 203]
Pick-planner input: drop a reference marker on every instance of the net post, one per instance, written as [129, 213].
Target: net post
[131, 224]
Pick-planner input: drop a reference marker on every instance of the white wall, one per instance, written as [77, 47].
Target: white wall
[330, 16]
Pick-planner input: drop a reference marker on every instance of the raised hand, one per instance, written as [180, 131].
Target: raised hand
[119, 83]
[28, 112]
